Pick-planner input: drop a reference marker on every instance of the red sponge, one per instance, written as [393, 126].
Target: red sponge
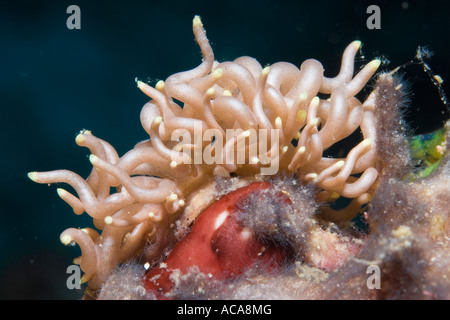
[218, 245]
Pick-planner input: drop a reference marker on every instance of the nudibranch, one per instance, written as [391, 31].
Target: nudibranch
[235, 179]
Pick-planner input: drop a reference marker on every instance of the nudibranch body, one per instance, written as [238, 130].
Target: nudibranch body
[196, 194]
